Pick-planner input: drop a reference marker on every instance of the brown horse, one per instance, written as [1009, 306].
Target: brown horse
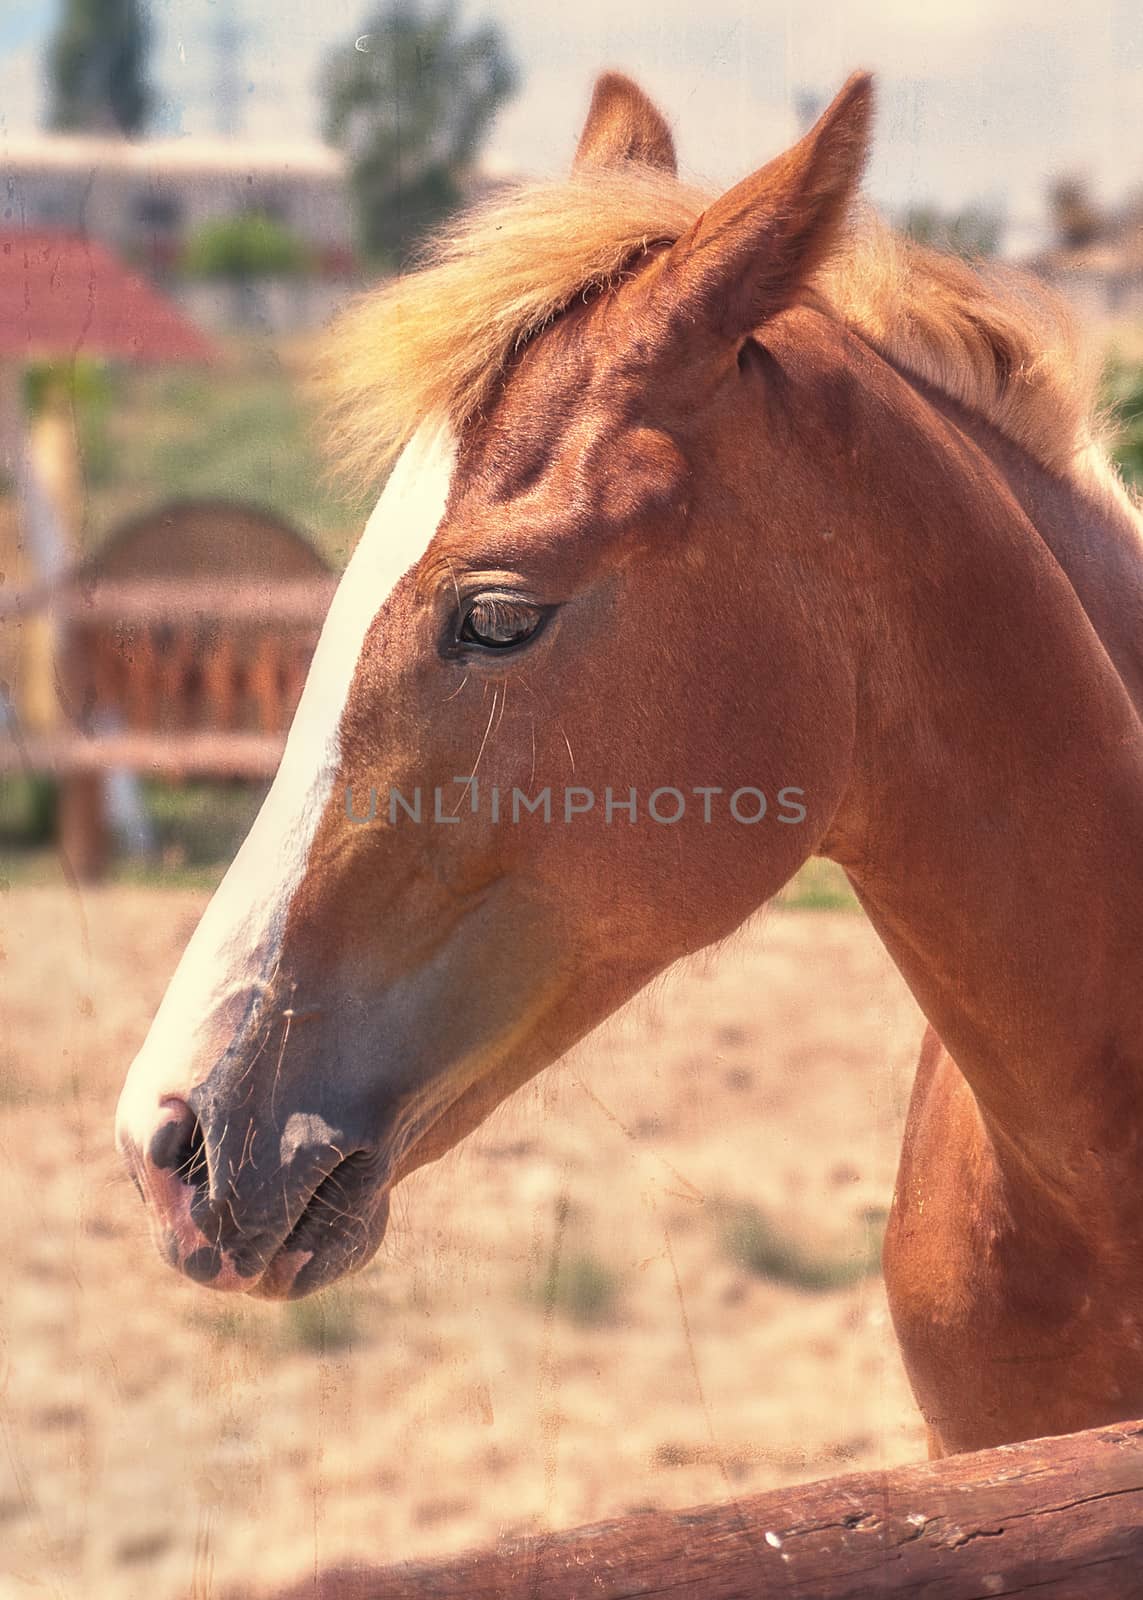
[721, 535]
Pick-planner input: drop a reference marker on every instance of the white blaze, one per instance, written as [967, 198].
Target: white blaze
[234, 948]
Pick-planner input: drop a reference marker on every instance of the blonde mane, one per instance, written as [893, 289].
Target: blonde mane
[431, 344]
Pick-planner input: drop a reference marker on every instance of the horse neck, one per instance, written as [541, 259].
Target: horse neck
[995, 827]
[1092, 528]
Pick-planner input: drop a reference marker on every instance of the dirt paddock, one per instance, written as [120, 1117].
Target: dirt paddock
[561, 1326]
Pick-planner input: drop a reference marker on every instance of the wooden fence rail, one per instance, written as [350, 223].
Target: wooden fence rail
[1057, 1519]
[173, 599]
[232, 755]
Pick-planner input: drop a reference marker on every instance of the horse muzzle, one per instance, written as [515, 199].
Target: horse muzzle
[243, 1204]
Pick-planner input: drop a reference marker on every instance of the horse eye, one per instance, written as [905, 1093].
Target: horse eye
[499, 622]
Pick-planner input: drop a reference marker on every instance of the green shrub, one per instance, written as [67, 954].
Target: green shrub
[203, 822]
[249, 246]
[819, 885]
[581, 1288]
[753, 1241]
[28, 806]
[1123, 397]
[323, 1323]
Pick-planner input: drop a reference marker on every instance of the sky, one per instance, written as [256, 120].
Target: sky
[980, 101]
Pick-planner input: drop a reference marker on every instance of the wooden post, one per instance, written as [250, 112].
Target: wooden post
[83, 834]
[11, 418]
[219, 697]
[54, 465]
[51, 490]
[138, 671]
[264, 676]
[1054, 1519]
[36, 701]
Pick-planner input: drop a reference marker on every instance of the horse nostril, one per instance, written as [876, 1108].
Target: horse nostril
[178, 1146]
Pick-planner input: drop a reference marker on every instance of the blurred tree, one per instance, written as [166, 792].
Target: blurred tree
[976, 231]
[1076, 221]
[97, 67]
[411, 102]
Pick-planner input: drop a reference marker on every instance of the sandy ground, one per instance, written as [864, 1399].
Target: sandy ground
[158, 1441]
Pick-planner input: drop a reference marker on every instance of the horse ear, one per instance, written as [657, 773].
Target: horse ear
[751, 251]
[622, 125]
